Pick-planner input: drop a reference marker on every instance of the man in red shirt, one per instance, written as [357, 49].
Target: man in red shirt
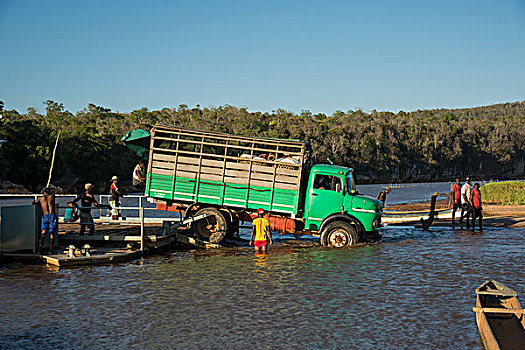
[475, 199]
[455, 193]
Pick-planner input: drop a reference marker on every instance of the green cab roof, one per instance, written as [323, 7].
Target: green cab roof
[138, 141]
[329, 168]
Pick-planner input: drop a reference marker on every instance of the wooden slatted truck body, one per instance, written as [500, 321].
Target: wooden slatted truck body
[228, 177]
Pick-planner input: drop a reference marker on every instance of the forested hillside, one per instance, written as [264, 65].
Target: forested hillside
[484, 142]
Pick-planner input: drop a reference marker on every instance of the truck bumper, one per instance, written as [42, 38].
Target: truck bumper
[371, 236]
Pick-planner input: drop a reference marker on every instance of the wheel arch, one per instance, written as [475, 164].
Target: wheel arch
[350, 219]
[195, 206]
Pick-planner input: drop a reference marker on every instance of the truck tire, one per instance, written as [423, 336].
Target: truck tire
[338, 234]
[213, 228]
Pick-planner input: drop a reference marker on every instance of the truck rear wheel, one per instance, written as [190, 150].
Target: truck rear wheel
[339, 234]
[213, 227]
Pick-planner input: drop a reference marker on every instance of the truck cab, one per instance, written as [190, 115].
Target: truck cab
[336, 210]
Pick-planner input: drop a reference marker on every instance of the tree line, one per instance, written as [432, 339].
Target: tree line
[423, 145]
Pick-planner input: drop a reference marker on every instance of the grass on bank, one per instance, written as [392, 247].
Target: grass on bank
[506, 192]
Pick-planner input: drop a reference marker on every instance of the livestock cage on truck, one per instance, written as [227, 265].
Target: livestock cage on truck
[190, 166]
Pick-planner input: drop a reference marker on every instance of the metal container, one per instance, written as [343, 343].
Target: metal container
[20, 228]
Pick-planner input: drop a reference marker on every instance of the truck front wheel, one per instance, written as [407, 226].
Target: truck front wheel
[338, 234]
[213, 227]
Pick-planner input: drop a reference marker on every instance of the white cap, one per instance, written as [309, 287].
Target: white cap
[114, 177]
[88, 186]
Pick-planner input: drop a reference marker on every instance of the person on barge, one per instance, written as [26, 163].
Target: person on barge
[49, 218]
[86, 199]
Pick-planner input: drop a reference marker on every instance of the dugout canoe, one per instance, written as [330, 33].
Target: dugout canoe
[500, 317]
[392, 217]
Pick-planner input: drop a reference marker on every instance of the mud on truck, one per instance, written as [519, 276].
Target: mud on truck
[228, 177]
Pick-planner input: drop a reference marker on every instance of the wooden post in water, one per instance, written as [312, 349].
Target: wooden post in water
[141, 228]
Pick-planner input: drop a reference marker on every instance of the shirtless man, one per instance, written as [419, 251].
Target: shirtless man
[49, 220]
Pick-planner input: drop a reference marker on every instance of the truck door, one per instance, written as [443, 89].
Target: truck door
[325, 198]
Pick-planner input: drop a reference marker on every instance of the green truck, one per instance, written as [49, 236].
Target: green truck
[228, 177]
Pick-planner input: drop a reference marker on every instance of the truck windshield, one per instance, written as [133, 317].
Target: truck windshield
[350, 183]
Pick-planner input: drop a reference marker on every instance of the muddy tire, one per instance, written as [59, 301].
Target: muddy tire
[213, 228]
[339, 234]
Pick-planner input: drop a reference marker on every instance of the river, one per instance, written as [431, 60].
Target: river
[414, 290]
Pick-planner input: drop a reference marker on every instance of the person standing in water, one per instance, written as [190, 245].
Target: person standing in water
[465, 202]
[261, 230]
[475, 199]
[382, 195]
[49, 219]
[455, 194]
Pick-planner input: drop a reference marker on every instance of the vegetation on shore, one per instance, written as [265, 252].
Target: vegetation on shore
[382, 146]
[506, 192]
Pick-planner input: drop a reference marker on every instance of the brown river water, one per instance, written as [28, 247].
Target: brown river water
[414, 290]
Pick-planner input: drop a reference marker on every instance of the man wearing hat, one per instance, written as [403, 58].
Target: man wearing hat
[86, 199]
[114, 202]
[261, 230]
[382, 195]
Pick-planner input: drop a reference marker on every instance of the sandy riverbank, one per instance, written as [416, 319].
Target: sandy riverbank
[493, 215]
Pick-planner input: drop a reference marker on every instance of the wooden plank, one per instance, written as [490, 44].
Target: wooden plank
[236, 180]
[498, 310]
[62, 260]
[210, 177]
[157, 171]
[163, 157]
[213, 171]
[163, 165]
[245, 167]
[497, 292]
[287, 179]
[206, 162]
[289, 172]
[187, 167]
[186, 174]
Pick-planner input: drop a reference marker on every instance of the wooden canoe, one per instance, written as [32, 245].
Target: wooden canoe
[500, 317]
[392, 217]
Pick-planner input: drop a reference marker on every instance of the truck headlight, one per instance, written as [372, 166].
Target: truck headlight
[377, 222]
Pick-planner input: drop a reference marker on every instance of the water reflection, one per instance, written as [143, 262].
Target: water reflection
[414, 290]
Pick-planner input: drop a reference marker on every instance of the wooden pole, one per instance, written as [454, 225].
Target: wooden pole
[53, 159]
[141, 228]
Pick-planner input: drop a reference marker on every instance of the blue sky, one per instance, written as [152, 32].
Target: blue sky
[298, 55]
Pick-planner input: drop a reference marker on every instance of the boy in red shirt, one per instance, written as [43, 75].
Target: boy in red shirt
[475, 199]
[455, 193]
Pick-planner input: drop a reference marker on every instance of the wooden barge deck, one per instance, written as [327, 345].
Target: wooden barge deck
[112, 242]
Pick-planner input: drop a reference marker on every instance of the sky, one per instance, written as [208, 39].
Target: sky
[320, 56]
